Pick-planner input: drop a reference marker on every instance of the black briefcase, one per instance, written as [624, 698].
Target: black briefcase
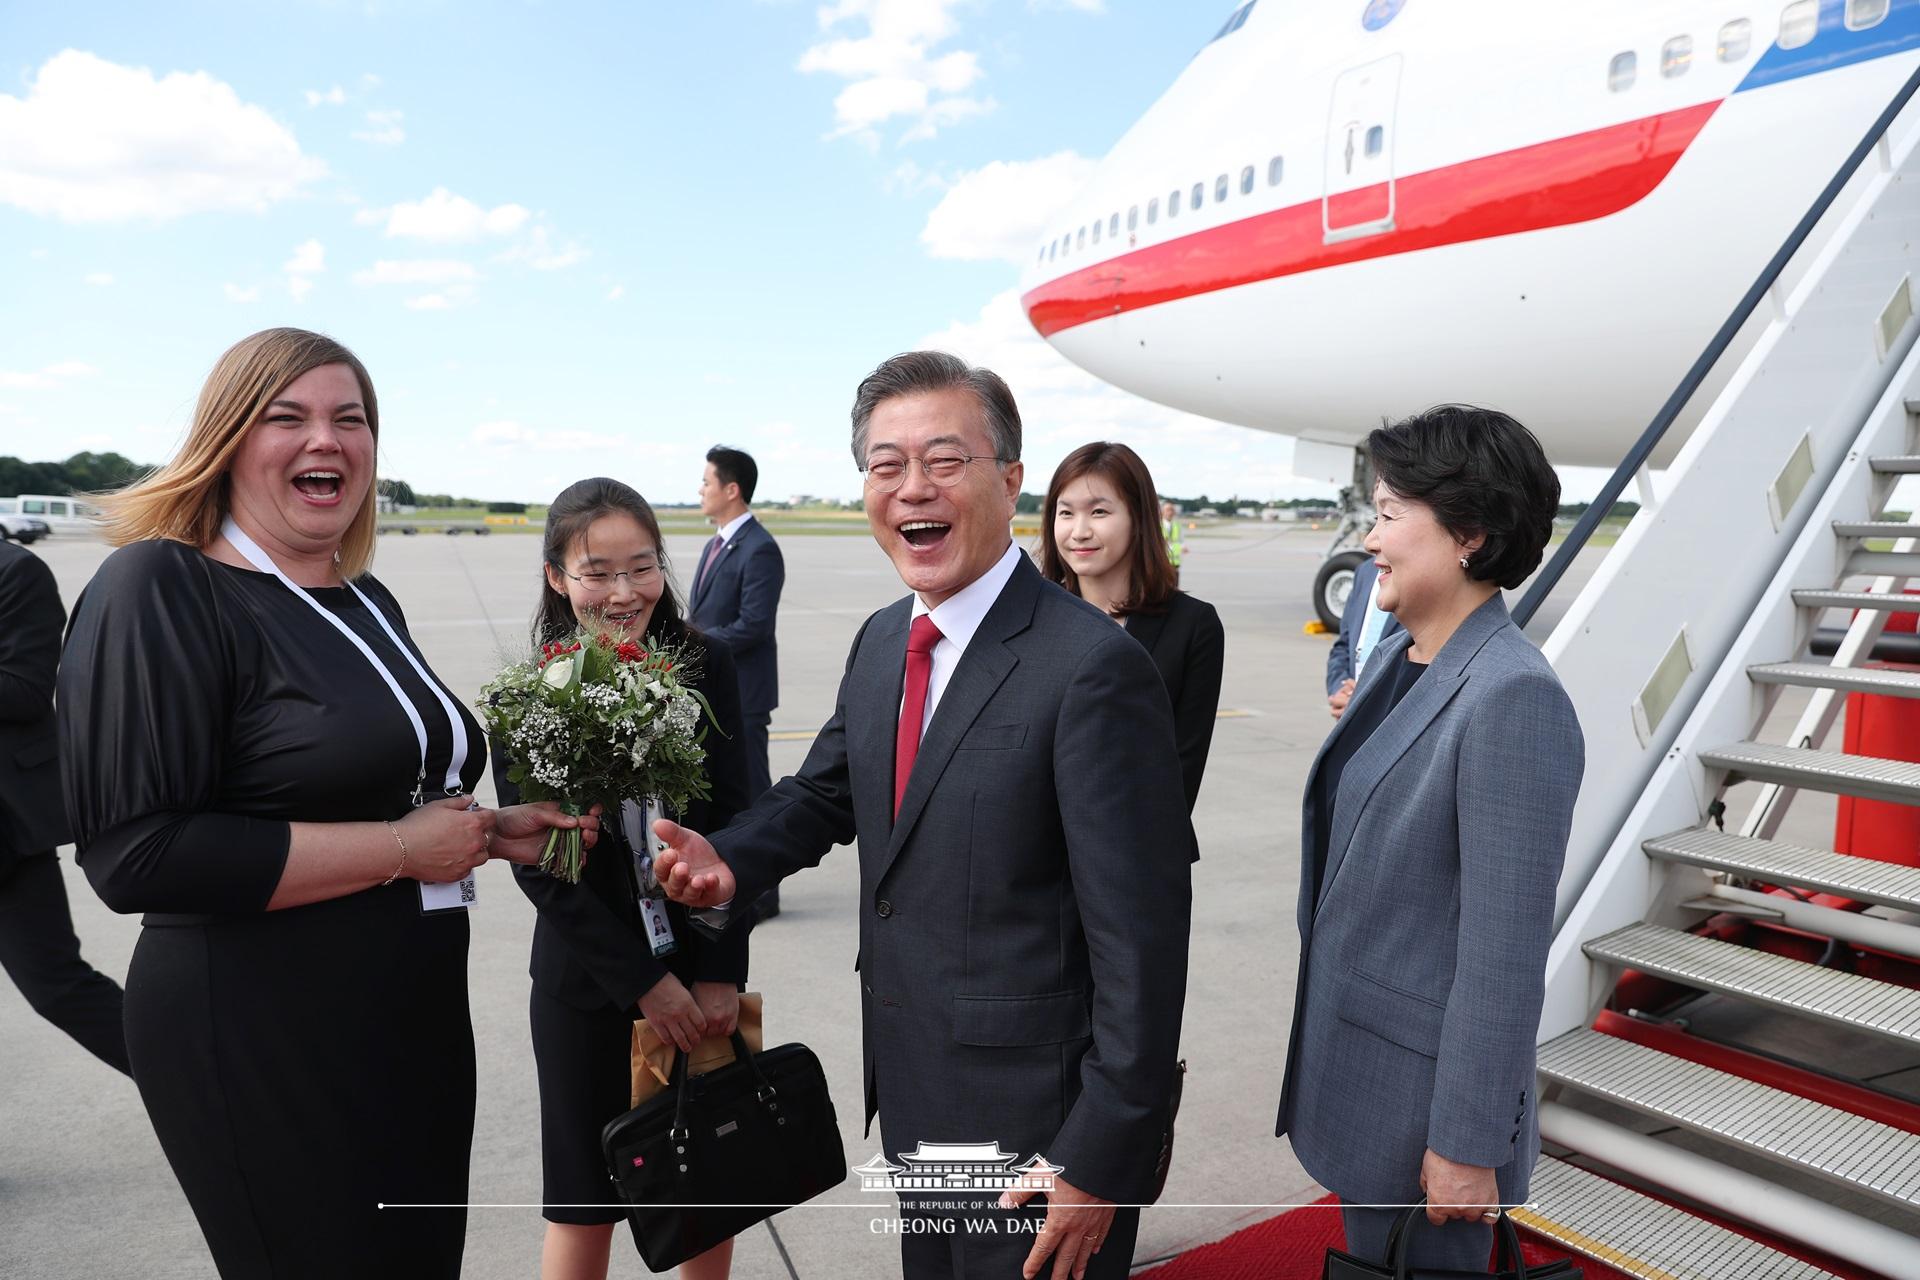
[710, 1156]
[1508, 1264]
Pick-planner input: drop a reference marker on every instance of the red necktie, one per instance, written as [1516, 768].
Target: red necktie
[913, 708]
[707, 558]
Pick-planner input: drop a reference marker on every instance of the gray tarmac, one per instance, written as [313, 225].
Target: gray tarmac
[86, 1193]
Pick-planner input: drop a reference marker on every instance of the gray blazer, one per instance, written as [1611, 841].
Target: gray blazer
[1422, 964]
[1023, 925]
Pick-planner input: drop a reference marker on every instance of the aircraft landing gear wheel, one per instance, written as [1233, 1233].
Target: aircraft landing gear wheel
[1332, 585]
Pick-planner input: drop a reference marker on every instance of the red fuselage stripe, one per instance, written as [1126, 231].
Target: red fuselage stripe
[1550, 184]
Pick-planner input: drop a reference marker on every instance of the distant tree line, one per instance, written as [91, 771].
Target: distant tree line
[82, 473]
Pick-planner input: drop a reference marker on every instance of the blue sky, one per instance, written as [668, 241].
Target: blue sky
[568, 239]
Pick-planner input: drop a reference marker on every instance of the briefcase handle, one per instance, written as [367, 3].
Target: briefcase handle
[766, 1094]
[1507, 1255]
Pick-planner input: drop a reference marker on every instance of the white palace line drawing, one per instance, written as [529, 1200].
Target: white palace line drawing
[957, 1166]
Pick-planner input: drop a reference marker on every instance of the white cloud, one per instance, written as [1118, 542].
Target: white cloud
[893, 69]
[383, 129]
[539, 252]
[99, 279]
[616, 293]
[236, 294]
[1186, 453]
[441, 217]
[309, 260]
[333, 97]
[1000, 211]
[47, 379]
[428, 271]
[517, 436]
[93, 141]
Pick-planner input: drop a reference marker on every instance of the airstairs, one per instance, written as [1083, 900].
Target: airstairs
[1674, 1148]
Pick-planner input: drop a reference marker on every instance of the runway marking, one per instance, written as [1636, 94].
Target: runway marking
[807, 735]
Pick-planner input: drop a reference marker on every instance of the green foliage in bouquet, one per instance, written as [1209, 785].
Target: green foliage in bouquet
[598, 720]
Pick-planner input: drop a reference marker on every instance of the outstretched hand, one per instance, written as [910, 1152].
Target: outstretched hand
[688, 868]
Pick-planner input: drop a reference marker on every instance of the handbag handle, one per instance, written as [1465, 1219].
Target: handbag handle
[1506, 1235]
[765, 1093]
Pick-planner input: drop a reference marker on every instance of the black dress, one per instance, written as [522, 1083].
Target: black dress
[592, 961]
[301, 1067]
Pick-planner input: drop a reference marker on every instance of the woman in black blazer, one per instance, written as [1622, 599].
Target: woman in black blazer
[594, 965]
[1102, 541]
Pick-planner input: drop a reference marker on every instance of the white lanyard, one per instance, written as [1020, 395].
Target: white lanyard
[259, 559]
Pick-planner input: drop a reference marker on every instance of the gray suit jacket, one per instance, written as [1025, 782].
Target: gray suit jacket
[1423, 962]
[1023, 925]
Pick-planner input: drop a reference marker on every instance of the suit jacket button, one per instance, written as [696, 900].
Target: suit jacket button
[885, 909]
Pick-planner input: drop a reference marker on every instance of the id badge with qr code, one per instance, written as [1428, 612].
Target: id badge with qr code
[455, 896]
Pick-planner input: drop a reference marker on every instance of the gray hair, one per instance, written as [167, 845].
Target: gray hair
[925, 372]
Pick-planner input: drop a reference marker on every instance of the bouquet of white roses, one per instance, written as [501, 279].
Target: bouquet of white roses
[598, 720]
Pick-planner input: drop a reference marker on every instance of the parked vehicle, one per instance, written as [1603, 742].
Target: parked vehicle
[23, 529]
[58, 514]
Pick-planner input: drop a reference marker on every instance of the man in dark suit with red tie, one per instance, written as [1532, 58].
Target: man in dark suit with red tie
[998, 751]
[37, 945]
[736, 593]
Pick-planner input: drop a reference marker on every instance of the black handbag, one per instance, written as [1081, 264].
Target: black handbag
[704, 1160]
[1508, 1262]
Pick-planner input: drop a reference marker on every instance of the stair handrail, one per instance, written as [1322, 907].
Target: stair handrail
[1602, 504]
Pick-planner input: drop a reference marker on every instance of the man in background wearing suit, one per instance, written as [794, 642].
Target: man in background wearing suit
[999, 750]
[736, 592]
[37, 944]
[1363, 625]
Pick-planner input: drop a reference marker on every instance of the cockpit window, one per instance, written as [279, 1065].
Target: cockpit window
[1235, 21]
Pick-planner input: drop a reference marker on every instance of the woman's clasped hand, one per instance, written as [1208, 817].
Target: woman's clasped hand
[444, 840]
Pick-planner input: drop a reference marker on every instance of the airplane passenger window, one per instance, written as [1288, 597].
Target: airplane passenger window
[1133, 217]
[1173, 203]
[1799, 22]
[1246, 181]
[1676, 55]
[1199, 195]
[1862, 14]
[1096, 231]
[1220, 188]
[1735, 39]
[1275, 168]
[1376, 141]
[1080, 240]
[1153, 210]
[1621, 71]
[1052, 250]
[1113, 227]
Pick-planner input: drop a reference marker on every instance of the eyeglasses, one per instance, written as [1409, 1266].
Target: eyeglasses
[597, 582]
[884, 475]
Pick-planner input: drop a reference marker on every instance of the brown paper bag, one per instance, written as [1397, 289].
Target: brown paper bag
[653, 1057]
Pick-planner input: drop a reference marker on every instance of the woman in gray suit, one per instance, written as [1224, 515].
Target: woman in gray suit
[1434, 825]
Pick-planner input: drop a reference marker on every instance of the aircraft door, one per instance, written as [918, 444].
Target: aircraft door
[1359, 199]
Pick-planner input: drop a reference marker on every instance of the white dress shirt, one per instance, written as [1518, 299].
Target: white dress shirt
[731, 527]
[958, 617]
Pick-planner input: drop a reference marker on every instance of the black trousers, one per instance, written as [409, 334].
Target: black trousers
[41, 954]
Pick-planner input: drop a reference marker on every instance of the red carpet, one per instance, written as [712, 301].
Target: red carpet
[1291, 1246]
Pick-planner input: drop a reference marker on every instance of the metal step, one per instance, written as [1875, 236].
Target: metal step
[1822, 675]
[1868, 777]
[1897, 603]
[1875, 529]
[1906, 465]
[1861, 879]
[1847, 999]
[1810, 1136]
[1587, 1214]
[1884, 564]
